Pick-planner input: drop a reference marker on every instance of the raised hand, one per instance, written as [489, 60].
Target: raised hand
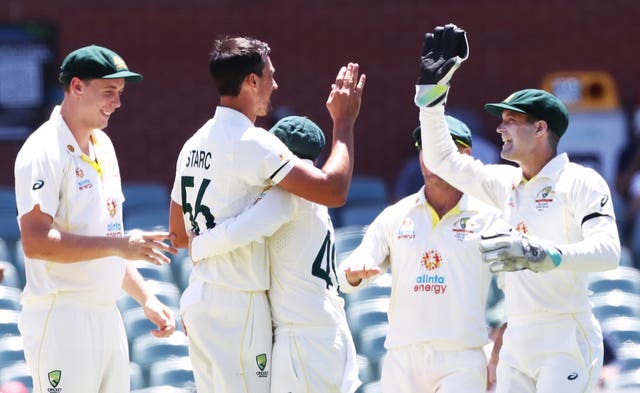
[346, 95]
[443, 52]
[148, 246]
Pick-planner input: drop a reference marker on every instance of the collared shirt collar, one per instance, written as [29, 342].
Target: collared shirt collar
[552, 169]
[225, 113]
[465, 203]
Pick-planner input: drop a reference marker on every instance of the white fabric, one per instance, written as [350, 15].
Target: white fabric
[79, 201]
[221, 170]
[440, 284]
[303, 294]
[85, 341]
[550, 206]
[573, 340]
[422, 368]
[228, 330]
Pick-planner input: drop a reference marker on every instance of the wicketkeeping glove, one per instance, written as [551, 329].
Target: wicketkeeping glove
[442, 53]
[508, 252]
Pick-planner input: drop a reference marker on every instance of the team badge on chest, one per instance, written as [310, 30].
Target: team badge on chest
[544, 198]
[462, 228]
[407, 229]
[111, 207]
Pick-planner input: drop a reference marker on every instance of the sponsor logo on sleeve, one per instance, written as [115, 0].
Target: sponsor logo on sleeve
[38, 184]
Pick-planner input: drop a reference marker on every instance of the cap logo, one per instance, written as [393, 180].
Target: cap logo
[119, 63]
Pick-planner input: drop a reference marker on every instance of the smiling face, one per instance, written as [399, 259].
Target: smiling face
[265, 84]
[518, 136]
[99, 98]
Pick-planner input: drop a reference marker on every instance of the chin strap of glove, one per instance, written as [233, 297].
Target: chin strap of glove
[442, 53]
[508, 252]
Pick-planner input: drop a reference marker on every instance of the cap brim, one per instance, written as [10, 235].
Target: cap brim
[496, 109]
[127, 75]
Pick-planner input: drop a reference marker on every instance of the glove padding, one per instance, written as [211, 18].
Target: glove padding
[508, 252]
[443, 52]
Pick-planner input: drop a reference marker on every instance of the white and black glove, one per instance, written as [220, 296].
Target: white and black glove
[442, 53]
[508, 252]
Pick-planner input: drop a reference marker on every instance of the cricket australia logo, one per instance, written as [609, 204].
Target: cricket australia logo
[431, 260]
[261, 361]
[407, 229]
[462, 228]
[54, 379]
[543, 198]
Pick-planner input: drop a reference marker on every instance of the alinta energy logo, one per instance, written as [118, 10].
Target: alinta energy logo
[261, 361]
[433, 283]
[54, 377]
[544, 198]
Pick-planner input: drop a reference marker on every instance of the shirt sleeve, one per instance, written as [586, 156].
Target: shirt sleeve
[489, 183]
[273, 208]
[593, 208]
[372, 251]
[38, 178]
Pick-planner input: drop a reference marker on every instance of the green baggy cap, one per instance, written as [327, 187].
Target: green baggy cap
[458, 130]
[95, 62]
[538, 103]
[302, 136]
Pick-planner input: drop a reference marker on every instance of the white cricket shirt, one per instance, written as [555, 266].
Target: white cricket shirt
[82, 197]
[221, 170]
[566, 204]
[439, 282]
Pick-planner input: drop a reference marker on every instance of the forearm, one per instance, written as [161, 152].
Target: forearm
[339, 166]
[599, 251]
[60, 247]
[134, 284]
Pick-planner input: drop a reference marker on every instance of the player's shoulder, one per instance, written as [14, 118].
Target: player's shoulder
[583, 175]
[42, 144]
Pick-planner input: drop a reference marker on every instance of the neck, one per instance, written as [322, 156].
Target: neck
[80, 132]
[532, 166]
[442, 197]
[242, 104]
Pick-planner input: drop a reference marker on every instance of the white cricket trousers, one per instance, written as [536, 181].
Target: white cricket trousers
[73, 346]
[550, 353]
[431, 368]
[230, 338]
[309, 359]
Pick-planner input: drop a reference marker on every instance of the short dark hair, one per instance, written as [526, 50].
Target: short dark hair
[233, 58]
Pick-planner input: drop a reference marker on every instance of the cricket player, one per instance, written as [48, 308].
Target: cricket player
[69, 201]
[563, 218]
[221, 170]
[436, 314]
[313, 349]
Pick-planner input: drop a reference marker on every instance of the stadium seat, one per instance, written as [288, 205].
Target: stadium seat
[19, 372]
[380, 287]
[167, 292]
[11, 351]
[154, 272]
[624, 278]
[615, 304]
[9, 323]
[367, 312]
[360, 214]
[12, 277]
[9, 298]
[148, 349]
[137, 377]
[348, 237]
[371, 387]
[623, 331]
[372, 339]
[366, 190]
[626, 382]
[141, 196]
[177, 372]
[628, 356]
[150, 219]
[364, 366]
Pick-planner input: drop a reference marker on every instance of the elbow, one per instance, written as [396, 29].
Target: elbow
[335, 200]
[32, 248]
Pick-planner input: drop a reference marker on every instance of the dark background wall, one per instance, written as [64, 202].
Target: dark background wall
[513, 44]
